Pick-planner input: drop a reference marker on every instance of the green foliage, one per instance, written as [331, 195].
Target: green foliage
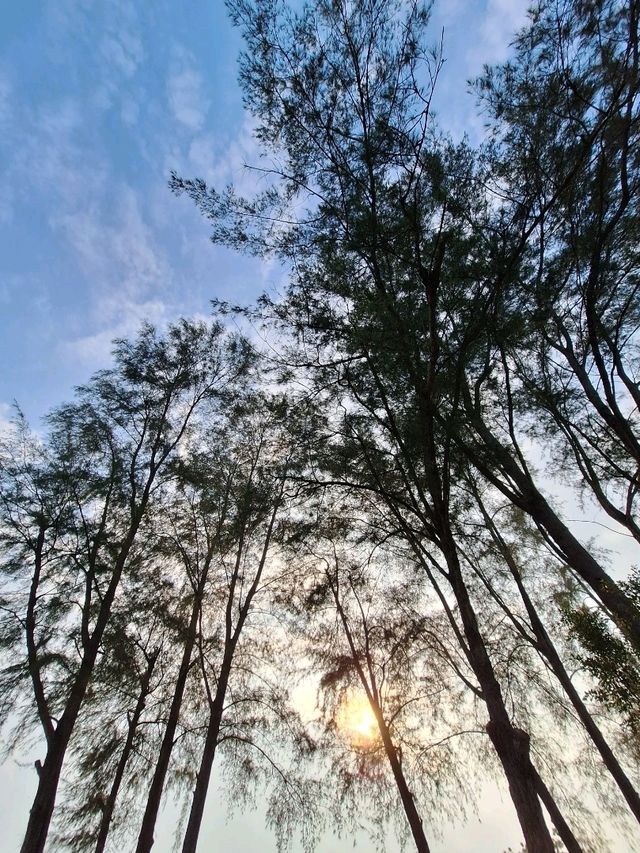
[610, 661]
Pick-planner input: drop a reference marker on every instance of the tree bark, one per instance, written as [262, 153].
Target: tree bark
[564, 830]
[406, 797]
[511, 744]
[622, 609]
[548, 649]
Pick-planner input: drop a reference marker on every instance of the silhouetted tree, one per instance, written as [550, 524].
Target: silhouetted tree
[402, 301]
[73, 509]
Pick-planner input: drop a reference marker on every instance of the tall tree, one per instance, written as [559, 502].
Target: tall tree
[105, 453]
[369, 636]
[565, 119]
[258, 458]
[404, 273]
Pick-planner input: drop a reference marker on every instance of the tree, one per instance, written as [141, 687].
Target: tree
[513, 555]
[237, 658]
[565, 118]
[72, 513]
[609, 660]
[368, 634]
[404, 275]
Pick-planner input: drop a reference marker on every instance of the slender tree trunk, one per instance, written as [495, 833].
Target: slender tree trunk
[206, 763]
[548, 649]
[232, 636]
[49, 773]
[107, 814]
[408, 802]
[145, 837]
[371, 690]
[608, 757]
[623, 611]
[557, 818]
[511, 744]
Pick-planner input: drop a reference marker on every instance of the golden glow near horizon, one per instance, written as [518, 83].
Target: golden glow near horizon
[356, 720]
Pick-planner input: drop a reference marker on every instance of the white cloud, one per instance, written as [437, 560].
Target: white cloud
[6, 418]
[123, 51]
[125, 316]
[115, 249]
[6, 92]
[130, 111]
[53, 160]
[6, 205]
[185, 91]
[502, 20]
[230, 164]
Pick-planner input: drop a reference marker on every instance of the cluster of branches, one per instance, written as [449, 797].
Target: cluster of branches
[182, 540]
[141, 550]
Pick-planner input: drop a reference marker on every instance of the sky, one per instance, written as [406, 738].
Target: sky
[99, 101]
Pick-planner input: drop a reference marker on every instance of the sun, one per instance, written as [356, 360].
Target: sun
[356, 720]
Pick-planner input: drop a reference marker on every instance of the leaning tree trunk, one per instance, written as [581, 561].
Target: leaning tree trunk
[370, 688]
[510, 743]
[208, 755]
[49, 773]
[622, 609]
[408, 803]
[606, 753]
[548, 649]
[107, 814]
[557, 818]
[147, 829]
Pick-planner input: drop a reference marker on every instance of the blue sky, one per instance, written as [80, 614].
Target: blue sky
[99, 100]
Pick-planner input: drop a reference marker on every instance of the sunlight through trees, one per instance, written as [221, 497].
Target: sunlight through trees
[360, 491]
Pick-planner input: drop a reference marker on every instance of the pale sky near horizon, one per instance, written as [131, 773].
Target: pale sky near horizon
[99, 100]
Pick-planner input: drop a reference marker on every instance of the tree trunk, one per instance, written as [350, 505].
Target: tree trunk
[45, 798]
[623, 611]
[49, 773]
[408, 802]
[107, 814]
[206, 764]
[562, 827]
[610, 761]
[511, 744]
[145, 837]
[548, 649]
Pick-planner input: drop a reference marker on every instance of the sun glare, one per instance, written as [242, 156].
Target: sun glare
[357, 720]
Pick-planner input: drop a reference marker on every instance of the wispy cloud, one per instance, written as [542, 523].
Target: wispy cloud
[6, 129]
[234, 161]
[126, 316]
[123, 51]
[115, 248]
[6, 90]
[53, 159]
[186, 91]
[501, 21]
[6, 418]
